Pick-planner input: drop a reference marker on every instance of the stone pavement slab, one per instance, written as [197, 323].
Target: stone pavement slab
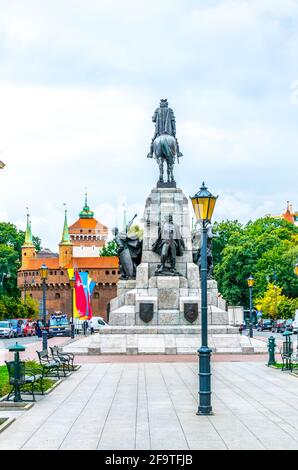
[153, 406]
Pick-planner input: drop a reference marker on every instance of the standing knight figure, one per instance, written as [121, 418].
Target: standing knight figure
[129, 251]
[164, 144]
[168, 245]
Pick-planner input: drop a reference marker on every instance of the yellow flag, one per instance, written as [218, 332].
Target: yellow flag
[75, 311]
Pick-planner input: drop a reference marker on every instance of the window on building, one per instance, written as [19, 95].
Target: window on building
[96, 295]
[113, 272]
[57, 296]
[107, 273]
[62, 273]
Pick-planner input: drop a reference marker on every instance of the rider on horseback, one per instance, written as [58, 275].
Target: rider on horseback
[164, 124]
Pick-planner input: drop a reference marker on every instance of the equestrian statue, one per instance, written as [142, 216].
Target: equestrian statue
[164, 146]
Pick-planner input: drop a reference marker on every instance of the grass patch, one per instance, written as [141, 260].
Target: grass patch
[2, 420]
[31, 366]
[278, 365]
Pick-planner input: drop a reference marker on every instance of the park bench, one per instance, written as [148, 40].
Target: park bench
[49, 364]
[66, 358]
[22, 377]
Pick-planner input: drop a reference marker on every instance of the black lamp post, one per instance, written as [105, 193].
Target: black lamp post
[44, 275]
[203, 204]
[72, 283]
[250, 283]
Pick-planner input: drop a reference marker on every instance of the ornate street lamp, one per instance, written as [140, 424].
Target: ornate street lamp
[72, 283]
[44, 275]
[203, 204]
[250, 283]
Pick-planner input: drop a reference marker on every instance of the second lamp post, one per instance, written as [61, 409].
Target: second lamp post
[44, 276]
[203, 204]
[72, 283]
[250, 283]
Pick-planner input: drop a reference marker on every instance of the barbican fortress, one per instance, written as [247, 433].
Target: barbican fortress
[79, 248]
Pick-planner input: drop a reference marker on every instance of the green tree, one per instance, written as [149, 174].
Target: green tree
[225, 230]
[12, 307]
[31, 307]
[109, 250]
[264, 247]
[275, 304]
[11, 241]
[9, 263]
[10, 235]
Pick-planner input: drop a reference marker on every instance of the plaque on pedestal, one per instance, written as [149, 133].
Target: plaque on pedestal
[146, 311]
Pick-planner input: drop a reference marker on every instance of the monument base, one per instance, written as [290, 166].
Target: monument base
[161, 184]
[164, 341]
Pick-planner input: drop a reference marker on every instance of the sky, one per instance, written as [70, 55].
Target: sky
[80, 80]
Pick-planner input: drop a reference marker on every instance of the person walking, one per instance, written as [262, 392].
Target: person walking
[85, 327]
[38, 329]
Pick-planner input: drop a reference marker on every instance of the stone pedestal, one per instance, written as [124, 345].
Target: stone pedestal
[166, 300]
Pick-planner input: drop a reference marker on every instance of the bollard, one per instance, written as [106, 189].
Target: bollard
[271, 349]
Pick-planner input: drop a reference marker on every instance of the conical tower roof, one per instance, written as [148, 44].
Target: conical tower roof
[65, 234]
[28, 234]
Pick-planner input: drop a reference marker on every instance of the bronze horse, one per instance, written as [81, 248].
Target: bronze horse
[165, 150]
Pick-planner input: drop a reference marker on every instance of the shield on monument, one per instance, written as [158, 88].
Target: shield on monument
[146, 311]
[191, 312]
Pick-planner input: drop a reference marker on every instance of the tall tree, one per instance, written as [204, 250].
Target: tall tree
[266, 248]
[11, 241]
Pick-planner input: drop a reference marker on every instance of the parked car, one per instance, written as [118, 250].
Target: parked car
[278, 326]
[264, 325]
[287, 326]
[18, 328]
[29, 328]
[6, 330]
[97, 323]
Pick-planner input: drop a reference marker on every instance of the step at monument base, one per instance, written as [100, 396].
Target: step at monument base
[168, 344]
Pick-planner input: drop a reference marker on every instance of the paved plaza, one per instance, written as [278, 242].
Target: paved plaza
[153, 405]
